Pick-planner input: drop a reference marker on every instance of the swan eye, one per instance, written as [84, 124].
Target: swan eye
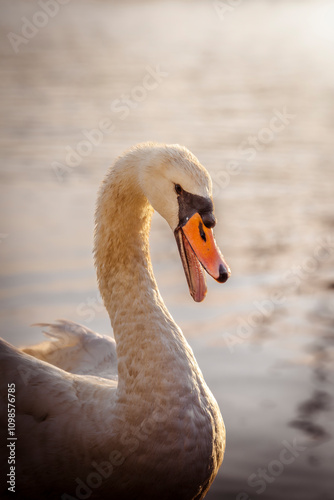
[178, 189]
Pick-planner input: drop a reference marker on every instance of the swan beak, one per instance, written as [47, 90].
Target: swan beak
[198, 250]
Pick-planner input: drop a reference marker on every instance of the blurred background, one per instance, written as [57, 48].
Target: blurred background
[248, 87]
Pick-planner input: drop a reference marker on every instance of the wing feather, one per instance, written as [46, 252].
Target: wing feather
[76, 349]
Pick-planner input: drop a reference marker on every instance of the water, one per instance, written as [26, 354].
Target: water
[264, 71]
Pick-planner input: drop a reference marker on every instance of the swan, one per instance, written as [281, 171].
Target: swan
[130, 418]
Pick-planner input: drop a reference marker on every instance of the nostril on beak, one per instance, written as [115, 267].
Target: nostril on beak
[224, 274]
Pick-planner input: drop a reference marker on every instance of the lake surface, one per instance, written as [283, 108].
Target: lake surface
[248, 87]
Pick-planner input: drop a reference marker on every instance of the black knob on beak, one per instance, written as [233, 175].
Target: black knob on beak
[209, 220]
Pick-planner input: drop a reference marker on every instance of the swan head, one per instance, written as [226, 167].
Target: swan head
[180, 189]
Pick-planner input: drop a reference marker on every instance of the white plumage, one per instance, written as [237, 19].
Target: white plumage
[77, 349]
[141, 424]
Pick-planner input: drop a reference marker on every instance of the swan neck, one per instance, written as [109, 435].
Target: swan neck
[146, 335]
[124, 270]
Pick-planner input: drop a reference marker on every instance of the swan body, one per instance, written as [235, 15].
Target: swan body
[133, 418]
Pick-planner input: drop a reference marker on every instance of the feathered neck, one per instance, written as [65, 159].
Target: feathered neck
[145, 333]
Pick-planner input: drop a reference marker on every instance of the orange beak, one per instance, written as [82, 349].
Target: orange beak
[198, 250]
